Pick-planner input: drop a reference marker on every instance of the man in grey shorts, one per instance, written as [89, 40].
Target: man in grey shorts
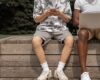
[52, 16]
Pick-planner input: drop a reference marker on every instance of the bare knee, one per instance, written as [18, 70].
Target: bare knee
[83, 34]
[36, 42]
[69, 41]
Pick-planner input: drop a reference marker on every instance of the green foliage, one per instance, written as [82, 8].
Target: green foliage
[16, 17]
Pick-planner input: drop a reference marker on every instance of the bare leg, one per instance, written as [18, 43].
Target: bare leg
[37, 45]
[82, 48]
[68, 43]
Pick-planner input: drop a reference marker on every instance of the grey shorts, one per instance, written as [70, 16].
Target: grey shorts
[47, 36]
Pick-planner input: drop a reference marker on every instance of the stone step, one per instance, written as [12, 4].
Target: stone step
[31, 72]
[23, 45]
[19, 62]
[31, 60]
[33, 79]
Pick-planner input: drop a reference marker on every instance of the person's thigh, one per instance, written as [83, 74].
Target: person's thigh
[44, 35]
[97, 33]
[91, 33]
[61, 36]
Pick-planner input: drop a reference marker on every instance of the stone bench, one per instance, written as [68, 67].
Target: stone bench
[19, 62]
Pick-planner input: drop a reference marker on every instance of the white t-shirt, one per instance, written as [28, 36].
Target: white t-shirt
[85, 6]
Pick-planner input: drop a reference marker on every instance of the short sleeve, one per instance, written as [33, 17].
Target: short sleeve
[37, 10]
[77, 5]
[68, 10]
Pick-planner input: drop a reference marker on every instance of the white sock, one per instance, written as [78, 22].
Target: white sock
[45, 66]
[61, 66]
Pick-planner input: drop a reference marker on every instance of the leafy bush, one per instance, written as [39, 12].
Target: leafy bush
[16, 17]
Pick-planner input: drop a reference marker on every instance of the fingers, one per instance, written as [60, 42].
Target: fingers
[53, 12]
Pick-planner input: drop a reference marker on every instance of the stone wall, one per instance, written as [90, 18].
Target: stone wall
[19, 62]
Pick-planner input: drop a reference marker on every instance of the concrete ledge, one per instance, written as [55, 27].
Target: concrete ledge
[19, 62]
[23, 45]
[32, 61]
[33, 72]
[16, 39]
[33, 79]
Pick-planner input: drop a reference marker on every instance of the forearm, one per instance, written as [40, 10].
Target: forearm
[64, 17]
[76, 22]
[76, 17]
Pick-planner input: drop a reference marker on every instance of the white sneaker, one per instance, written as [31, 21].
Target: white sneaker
[85, 76]
[60, 75]
[45, 75]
